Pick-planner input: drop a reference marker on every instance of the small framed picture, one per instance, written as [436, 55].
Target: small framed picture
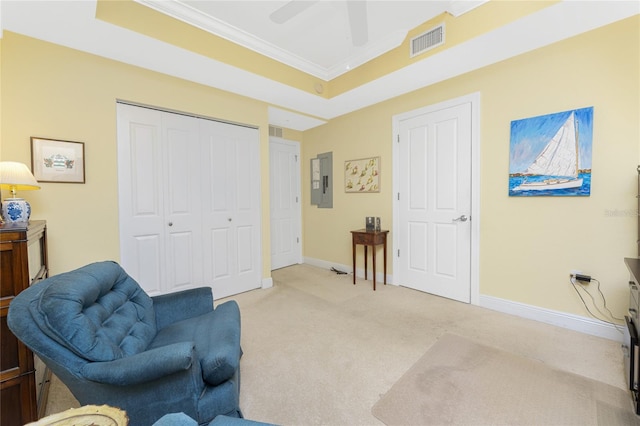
[362, 175]
[55, 160]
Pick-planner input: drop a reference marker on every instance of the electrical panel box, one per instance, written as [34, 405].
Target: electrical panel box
[322, 180]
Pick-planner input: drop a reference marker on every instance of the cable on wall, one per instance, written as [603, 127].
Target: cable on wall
[576, 287]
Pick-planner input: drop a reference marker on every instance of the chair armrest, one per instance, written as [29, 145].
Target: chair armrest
[143, 367]
[181, 305]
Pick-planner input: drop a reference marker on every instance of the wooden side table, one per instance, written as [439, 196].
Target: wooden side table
[369, 238]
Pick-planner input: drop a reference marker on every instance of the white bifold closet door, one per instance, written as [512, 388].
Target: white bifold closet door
[189, 202]
[231, 207]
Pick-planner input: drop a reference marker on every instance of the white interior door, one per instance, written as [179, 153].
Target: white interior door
[434, 202]
[141, 197]
[159, 199]
[231, 210]
[183, 210]
[285, 203]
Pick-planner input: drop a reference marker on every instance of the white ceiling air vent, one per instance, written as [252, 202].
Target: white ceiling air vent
[275, 131]
[428, 40]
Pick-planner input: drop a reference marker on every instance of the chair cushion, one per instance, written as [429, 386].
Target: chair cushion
[98, 312]
[216, 336]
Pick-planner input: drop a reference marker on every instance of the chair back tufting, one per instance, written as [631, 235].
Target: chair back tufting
[98, 312]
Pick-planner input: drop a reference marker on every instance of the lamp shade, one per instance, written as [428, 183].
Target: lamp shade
[16, 176]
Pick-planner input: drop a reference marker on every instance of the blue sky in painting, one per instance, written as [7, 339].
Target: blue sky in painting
[529, 136]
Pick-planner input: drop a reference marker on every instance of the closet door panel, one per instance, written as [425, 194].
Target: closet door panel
[231, 154]
[219, 208]
[247, 203]
[183, 209]
[141, 203]
[182, 255]
[219, 261]
[145, 170]
[246, 261]
[148, 250]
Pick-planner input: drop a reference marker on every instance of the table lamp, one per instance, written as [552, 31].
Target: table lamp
[16, 176]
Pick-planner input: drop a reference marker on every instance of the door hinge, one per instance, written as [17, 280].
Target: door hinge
[296, 157]
[398, 138]
[298, 240]
[296, 199]
[398, 196]
[398, 252]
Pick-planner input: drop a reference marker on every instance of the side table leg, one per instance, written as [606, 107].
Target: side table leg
[365, 262]
[373, 254]
[353, 251]
[385, 260]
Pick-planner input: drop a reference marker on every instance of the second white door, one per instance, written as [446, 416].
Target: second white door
[285, 203]
[434, 202]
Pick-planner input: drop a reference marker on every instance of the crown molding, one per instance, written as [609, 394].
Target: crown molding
[189, 15]
[460, 7]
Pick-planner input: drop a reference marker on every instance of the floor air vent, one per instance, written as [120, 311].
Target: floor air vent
[275, 131]
[426, 41]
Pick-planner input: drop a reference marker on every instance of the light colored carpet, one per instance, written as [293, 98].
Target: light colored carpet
[319, 350]
[460, 382]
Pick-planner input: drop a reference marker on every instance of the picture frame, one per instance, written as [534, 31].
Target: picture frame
[362, 175]
[55, 160]
[550, 155]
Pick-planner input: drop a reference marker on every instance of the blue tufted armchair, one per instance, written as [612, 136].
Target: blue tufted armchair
[110, 343]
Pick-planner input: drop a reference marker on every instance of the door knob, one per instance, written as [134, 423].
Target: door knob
[462, 218]
[229, 219]
[170, 223]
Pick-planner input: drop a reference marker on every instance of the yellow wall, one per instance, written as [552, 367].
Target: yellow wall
[55, 92]
[528, 245]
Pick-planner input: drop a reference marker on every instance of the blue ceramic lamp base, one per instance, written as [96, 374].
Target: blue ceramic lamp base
[15, 210]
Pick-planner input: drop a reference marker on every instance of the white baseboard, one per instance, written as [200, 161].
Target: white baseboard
[561, 319]
[347, 268]
[267, 282]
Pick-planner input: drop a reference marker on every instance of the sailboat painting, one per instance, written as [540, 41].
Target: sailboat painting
[550, 155]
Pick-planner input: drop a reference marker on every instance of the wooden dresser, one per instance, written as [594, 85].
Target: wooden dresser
[23, 262]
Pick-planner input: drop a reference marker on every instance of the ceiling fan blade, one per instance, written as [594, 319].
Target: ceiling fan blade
[358, 21]
[289, 10]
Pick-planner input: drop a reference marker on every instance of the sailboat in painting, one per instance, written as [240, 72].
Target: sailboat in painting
[558, 161]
